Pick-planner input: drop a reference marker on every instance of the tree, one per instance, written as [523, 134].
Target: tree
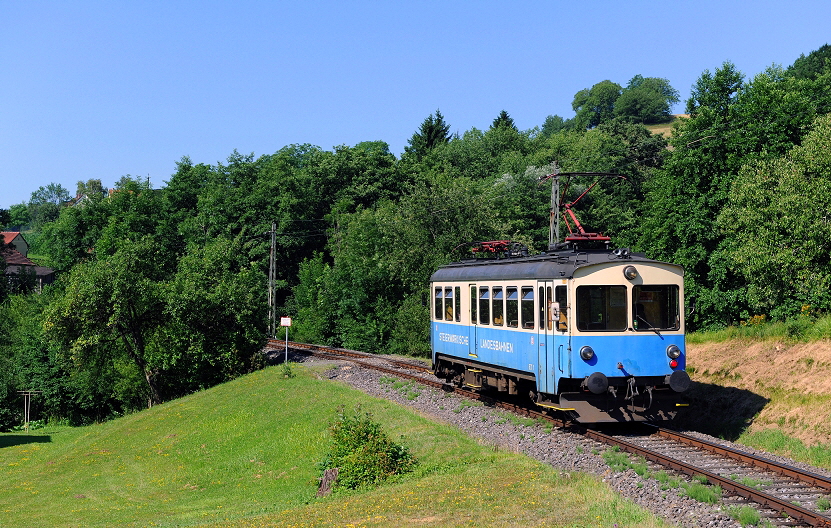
[114, 303]
[45, 204]
[595, 105]
[646, 100]
[503, 120]
[215, 312]
[18, 216]
[552, 125]
[716, 92]
[815, 64]
[777, 220]
[90, 188]
[101, 224]
[433, 132]
[684, 197]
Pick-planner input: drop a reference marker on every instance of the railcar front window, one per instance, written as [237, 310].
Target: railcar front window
[439, 308]
[655, 308]
[601, 308]
[498, 310]
[484, 306]
[512, 306]
[527, 306]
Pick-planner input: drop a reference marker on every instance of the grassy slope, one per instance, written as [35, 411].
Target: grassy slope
[665, 129]
[768, 392]
[245, 453]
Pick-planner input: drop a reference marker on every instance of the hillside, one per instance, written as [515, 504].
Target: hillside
[754, 386]
[665, 129]
[246, 453]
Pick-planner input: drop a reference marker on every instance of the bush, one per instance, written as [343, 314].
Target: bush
[364, 454]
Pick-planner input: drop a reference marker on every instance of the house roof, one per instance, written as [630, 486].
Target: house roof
[15, 261]
[15, 258]
[8, 236]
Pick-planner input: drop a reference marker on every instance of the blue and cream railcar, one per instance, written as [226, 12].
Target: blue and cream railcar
[598, 334]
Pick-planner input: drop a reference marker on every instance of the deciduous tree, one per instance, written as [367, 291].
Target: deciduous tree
[595, 105]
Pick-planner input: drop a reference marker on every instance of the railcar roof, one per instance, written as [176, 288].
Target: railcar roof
[559, 265]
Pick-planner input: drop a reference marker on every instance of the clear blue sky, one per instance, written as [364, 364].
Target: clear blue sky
[104, 89]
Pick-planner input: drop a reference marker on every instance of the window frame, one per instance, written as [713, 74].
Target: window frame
[672, 290]
[498, 301]
[512, 307]
[610, 311]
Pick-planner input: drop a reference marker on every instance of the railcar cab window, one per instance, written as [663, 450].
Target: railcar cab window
[655, 308]
[498, 309]
[512, 306]
[438, 304]
[601, 308]
[448, 304]
[527, 305]
[484, 305]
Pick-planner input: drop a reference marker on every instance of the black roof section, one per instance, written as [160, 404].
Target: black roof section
[556, 265]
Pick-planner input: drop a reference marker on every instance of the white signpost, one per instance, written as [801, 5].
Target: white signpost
[286, 321]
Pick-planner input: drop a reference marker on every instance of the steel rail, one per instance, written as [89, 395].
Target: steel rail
[813, 479]
[278, 343]
[763, 499]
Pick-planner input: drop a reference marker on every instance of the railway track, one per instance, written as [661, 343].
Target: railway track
[785, 495]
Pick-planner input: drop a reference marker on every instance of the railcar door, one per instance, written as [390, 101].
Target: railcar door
[562, 336]
[474, 323]
[545, 334]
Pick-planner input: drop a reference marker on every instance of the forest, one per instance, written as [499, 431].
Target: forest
[163, 292]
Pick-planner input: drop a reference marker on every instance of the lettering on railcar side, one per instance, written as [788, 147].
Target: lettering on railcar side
[454, 338]
[499, 346]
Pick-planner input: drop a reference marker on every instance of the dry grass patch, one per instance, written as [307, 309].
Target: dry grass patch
[748, 386]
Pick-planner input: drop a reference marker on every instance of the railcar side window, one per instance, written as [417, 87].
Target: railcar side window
[448, 304]
[512, 306]
[438, 298]
[527, 307]
[655, 308]
[473, 305]
[601, 308]
[498, 310]
[484, 305]
[458, 304]
[561, 298]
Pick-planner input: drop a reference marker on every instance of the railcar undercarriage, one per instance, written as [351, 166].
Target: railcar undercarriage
[618, 399]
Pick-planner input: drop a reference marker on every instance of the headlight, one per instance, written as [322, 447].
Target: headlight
[586, 352]
[673, 352]
[630, 272]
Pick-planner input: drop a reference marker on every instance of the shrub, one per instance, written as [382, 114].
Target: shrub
[363, 452]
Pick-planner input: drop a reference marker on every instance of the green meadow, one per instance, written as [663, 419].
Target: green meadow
[246, 453]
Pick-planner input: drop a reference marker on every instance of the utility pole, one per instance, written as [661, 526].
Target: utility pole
[272, 264]
[554, 220]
